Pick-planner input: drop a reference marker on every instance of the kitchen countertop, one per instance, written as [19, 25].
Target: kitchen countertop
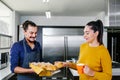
[115, 72]
[74, 72]
[5, 72]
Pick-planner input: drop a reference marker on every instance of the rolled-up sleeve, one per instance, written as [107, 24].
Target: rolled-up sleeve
[14, 56]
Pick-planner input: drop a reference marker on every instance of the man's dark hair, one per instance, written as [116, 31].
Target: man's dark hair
[27, 23]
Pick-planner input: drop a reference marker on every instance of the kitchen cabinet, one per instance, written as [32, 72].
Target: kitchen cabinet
[5, 41]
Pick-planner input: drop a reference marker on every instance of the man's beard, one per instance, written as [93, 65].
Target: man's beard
[30, 41]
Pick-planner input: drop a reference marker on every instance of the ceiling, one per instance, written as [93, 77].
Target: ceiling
[58, 7]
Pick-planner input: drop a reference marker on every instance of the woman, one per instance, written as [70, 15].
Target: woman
[94, 54]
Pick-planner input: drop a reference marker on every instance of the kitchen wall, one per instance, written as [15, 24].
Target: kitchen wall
[55, 21]
[65, 20]
[59, 20]
[16, 22]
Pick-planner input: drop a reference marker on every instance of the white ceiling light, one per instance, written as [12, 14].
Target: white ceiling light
[45, 1]
[48, 14]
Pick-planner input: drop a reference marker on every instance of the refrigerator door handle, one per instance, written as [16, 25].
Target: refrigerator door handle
[66, 47]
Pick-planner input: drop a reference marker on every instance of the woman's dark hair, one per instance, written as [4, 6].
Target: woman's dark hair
[27, 23]
[97, 26]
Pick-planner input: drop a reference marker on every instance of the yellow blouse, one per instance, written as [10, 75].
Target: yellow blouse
[98, 59]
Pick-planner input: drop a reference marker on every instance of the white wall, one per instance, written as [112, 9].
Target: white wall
[16, 22]
[59, 20]
[104, 18]
[65, 20]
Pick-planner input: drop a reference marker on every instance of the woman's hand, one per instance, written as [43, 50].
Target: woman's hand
[88, 71]
[66, 64]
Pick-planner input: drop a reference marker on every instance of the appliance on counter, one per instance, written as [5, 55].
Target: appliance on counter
[115, 64]
[3, 59]
[114, 44]
[5, 44]
[61, 44]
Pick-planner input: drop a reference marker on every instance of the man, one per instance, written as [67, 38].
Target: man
[26, 51]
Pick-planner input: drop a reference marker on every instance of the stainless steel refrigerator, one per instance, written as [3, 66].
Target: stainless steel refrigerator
[61, 44]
